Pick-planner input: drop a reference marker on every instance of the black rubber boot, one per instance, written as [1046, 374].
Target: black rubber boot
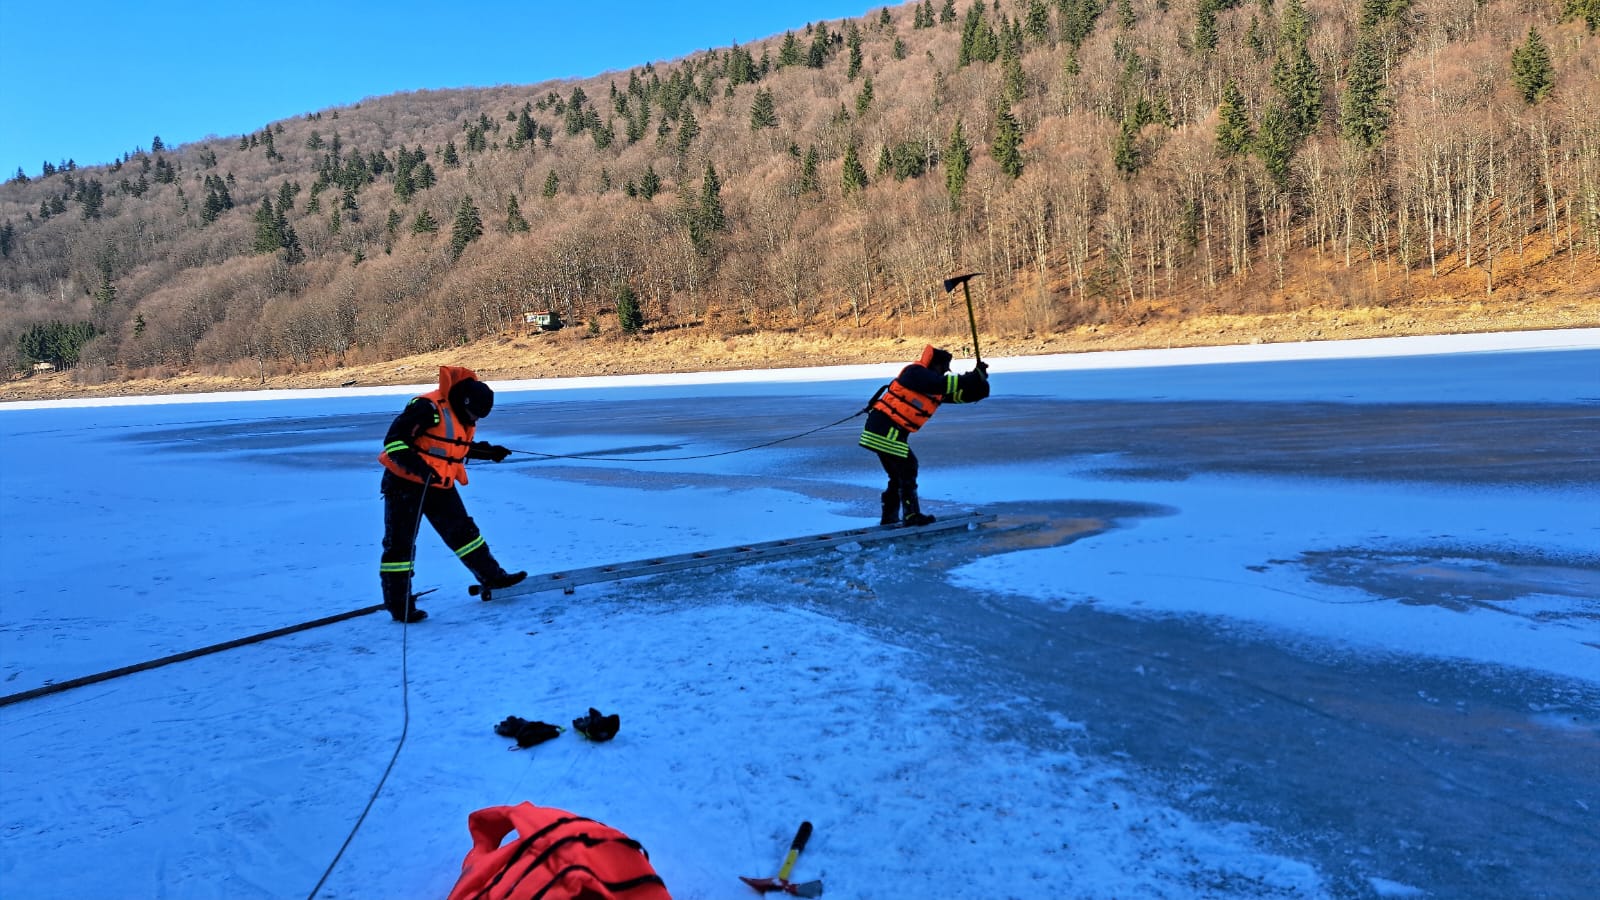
[913, 511]
[490, 573]
[891, 508]
[397, 597]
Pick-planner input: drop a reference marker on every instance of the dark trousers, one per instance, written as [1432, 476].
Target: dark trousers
[403, 501]
[900, 497]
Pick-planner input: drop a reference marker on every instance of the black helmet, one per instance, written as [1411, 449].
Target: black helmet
[471, 399]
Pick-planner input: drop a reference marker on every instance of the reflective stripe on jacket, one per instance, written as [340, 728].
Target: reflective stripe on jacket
[556, 856]
[444, 445]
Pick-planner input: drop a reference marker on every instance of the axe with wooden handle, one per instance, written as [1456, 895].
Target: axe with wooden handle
[950, 285]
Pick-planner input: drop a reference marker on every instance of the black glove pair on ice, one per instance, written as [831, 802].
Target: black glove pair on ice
[593, 726]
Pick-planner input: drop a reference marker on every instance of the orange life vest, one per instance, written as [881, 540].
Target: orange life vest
[444, 446]
[909, 409]
[556, 856]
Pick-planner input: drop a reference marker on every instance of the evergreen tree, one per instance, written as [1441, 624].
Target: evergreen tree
[106, 292]
[1277, 142]
[978, 40]
[1007, 146]
[1125, 153]
[424, 223]
[808, 171]
[853, 41]
[947, 13]
[1233, 123]
[957, 160]
[763, 112]
[885, 164]
[1364, 113]
[1531, 70]
[552, 185]
[853, 177]
[789, 53]
[1299, 84]
[449, 156]
[268, 236]
[21, 177]
[1014, 83]
[576, 118]
[821, 42]
[650, 183]
[8, 238]
[515, 223]
[688, 128]
[1038, 21]
[864, 97]
[711, 215]
[1585, 11]
[630, 318]
[468, 227]
[1205, 25]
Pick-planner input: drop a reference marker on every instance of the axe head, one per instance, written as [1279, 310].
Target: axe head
[784, 886]
[950, 283]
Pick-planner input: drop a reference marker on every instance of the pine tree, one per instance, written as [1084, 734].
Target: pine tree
[853, 177]
[1299, 84]
[789, 53]
[957, 160]
[1531, 69]
[817, 56]
[552, 185]
[808, 171]
[1125, 153]
[1233, 123]
[515, 223]
[424, 223]
[107, 292]
[650, 183]
[1585, 11]
[468, 227]
[947, 13]
[1277, 142]
[853, 40]
[688, 128]
[630, 318]
[268, 236]
[763, 112]
[1364, 113]
[8, 238]
[711, 215]
[1007, 146]
[864, 97]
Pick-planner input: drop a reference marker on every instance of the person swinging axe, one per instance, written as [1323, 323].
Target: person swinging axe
[899, 409]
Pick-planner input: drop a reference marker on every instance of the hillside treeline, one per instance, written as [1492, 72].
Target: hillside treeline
[1089, 156]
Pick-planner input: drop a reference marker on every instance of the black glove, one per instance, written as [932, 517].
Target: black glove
[596, 727]
[496, 453]
[982, 367]
[410, 460]
[527, 734]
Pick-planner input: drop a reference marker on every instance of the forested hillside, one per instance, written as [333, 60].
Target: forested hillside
[1101, 162]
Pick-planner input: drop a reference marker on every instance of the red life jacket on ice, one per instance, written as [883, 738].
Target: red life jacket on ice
[557, 856]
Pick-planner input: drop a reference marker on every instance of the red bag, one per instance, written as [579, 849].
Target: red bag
[556, 856]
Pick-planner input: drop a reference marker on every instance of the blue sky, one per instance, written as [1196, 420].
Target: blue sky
[89, 81]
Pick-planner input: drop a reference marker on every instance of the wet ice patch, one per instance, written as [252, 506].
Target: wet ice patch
[1546, 590]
